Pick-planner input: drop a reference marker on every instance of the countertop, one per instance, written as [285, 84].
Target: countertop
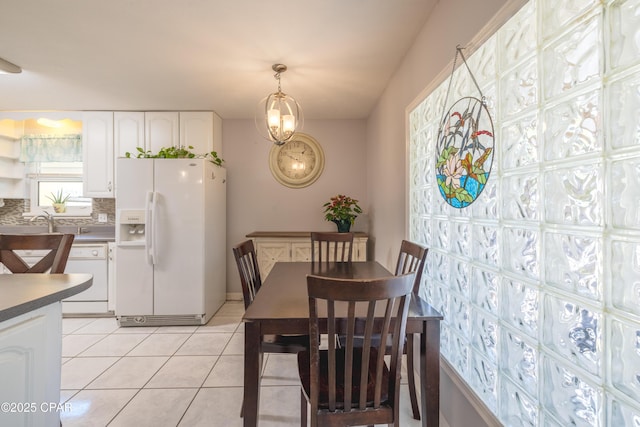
[22, 293]
[89, 234]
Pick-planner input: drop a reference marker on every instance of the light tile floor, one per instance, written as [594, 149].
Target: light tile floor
[173, 376]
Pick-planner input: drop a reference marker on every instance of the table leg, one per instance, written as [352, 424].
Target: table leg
[430, 373]
[252, 362]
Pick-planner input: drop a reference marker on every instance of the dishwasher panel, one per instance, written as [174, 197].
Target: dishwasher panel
[92, 259]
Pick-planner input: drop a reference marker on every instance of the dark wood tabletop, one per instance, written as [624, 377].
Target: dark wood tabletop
[282, 307]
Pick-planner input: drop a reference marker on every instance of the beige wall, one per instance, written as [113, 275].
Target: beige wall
[257, 202]
[453, 22]
[365, 159]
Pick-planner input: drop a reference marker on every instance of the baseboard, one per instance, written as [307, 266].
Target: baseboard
[478, 405]
[234, 296]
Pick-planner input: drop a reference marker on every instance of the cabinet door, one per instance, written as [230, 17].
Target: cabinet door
[128, 132]
[161, 130]
[30, 349]
[128, 135]
[97, 148]
[301, 251]
[270, 252]
[202, 130]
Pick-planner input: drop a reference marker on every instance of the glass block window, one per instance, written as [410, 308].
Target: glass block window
[539, 279]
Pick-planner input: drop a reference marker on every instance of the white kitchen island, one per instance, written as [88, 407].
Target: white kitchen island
[31, 345]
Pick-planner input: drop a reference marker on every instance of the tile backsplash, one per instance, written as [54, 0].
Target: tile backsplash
[11, 213]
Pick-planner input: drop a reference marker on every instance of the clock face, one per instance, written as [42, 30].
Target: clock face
[297, 163]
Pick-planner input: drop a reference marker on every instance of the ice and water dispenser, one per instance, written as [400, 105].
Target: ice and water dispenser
[131, 227]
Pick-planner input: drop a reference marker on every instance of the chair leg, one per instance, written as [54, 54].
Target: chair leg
[411, 378]
[303, 409]
[242, 409]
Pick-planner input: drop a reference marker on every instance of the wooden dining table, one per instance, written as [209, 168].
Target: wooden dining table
[282, 307]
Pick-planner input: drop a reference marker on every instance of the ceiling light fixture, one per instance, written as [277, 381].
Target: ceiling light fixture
[8, 67]
[279, 114]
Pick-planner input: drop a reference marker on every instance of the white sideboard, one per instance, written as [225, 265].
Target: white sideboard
[292, 246]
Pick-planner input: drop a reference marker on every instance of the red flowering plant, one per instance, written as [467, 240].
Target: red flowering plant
[342, 208]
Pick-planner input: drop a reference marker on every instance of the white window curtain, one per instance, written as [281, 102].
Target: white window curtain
[51, 148]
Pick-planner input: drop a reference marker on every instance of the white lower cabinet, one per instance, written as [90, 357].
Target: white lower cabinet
[272, 247]
[30, 359]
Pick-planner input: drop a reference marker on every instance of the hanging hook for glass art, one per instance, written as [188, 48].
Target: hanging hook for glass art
[464, 149]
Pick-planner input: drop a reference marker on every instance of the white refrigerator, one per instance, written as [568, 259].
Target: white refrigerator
[170, 241]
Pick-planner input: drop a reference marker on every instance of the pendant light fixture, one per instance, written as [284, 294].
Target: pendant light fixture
[7, 67]
[278, 115]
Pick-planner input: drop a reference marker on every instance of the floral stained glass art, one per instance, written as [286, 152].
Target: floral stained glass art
[464, 149]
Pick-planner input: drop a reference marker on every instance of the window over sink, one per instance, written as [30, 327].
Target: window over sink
[59, 178]
[48, 157]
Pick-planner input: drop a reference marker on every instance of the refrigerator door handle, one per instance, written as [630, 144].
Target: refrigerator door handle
[149, 220]
[154, 229]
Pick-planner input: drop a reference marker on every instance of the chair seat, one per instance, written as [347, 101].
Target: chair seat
[285, 343]
[304, 371]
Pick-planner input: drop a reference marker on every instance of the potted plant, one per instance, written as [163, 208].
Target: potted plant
[59, 201]
[342, 210]
[176, 153]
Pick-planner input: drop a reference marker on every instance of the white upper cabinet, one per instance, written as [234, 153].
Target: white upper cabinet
[128, 132]
[157, 129]
[109, 135]
[161, 129]
[202, 130]
[98, 156]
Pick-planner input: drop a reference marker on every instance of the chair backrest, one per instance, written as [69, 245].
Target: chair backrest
[54, 261]
[247, 262]
[326, 247]
[380, 306]
[411, 260]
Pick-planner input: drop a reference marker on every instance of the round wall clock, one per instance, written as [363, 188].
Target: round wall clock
[298, 163]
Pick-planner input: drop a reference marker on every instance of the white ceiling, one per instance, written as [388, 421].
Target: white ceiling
[204, 54]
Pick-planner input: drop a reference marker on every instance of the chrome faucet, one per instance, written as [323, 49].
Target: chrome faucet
[48, 217]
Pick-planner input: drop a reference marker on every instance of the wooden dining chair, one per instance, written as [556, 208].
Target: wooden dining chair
[327, 247]
[411, 259]
[247, 262]
[352, 384]
[54, 261]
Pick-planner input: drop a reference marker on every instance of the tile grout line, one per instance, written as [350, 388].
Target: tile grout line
[234, 333]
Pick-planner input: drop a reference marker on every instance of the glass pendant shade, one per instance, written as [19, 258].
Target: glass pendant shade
[278, 116]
